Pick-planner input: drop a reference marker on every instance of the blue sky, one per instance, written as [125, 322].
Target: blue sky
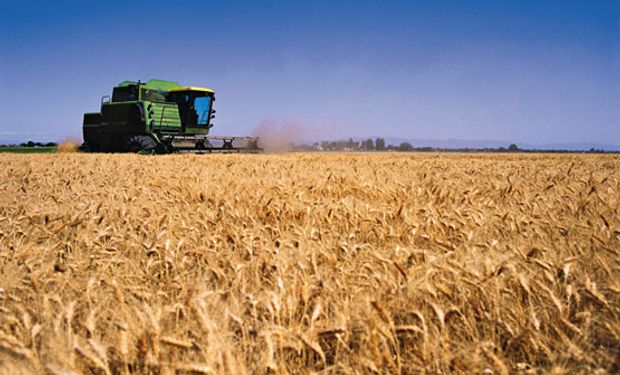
[528, 71]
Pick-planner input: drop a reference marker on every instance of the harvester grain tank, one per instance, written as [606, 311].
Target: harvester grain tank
[158, 117]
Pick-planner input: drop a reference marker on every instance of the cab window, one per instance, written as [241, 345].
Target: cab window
[202, 105]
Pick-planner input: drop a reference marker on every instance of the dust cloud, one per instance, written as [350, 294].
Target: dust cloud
[68, 145]
[278, 137]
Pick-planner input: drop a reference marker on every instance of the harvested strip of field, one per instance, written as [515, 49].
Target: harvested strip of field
[307, 262]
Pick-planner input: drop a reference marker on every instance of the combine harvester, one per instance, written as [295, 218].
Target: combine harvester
[158, 117]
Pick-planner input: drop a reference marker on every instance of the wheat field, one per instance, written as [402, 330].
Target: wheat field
[310, 263]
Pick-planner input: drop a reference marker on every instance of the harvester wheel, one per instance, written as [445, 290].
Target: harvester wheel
[141, 143]
[163, 148]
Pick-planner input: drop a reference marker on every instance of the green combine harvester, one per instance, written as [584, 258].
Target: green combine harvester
[158, 117]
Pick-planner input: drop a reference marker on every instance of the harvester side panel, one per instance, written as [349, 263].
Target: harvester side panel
[163, 117]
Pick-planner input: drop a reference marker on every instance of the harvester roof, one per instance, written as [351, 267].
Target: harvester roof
[190, 88]
[160, 85]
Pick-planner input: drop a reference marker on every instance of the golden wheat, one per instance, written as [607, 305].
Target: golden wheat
[298, 263]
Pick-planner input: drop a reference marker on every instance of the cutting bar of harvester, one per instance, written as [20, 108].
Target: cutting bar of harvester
[199, 144]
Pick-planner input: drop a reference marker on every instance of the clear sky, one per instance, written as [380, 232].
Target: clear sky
[533, 71]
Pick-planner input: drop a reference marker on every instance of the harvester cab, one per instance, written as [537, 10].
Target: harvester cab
[161, 117]
[195, 107]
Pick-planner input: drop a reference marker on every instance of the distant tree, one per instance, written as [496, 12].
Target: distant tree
[51, 144]
[353, 145]
[405, 146]
[513, 148]
[380, 144]
[30, 144]
[368, 144]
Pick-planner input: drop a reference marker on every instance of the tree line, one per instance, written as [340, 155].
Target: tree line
[32, 144]
[379, 144]
[369, 144]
